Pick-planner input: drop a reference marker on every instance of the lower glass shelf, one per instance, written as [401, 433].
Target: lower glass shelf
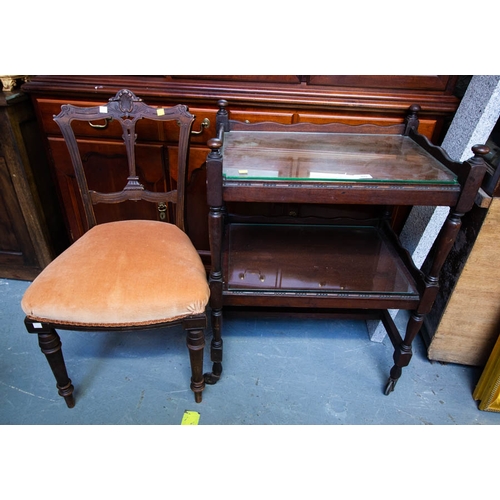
[314, 259]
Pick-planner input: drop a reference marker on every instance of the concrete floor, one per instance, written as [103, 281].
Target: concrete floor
[276, 371]
[279, 372]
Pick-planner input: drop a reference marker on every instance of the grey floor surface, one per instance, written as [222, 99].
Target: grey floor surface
[304, 376]
[276, 371]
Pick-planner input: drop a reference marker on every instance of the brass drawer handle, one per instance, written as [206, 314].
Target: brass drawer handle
[104, 125]
[204, 124]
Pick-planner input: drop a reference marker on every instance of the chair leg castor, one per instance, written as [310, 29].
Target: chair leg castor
[391, 384]
[214, 376]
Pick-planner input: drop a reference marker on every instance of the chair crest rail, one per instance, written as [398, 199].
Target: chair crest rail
[127, 109]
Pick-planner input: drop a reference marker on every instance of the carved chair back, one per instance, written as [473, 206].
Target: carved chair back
[127, 109]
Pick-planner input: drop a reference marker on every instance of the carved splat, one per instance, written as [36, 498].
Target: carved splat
[127, 109]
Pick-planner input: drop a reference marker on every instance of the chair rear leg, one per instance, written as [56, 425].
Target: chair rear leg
[196, 345]
[50, 344]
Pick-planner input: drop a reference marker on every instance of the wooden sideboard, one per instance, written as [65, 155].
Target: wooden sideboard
[381, 100]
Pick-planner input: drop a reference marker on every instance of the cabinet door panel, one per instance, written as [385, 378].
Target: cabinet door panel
[197, 156]
[196, 194]
[16, 249]
[106, 169]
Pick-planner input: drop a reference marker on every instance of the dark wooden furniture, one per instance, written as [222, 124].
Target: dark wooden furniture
[123, 275]
[31, 226]
[286, 99]
[348, 259]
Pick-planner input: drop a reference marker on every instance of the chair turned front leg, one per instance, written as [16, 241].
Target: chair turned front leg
[196, 344]
[50, 344]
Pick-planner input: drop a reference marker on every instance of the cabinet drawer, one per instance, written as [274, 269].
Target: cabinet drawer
[146, 130]
[172, 130]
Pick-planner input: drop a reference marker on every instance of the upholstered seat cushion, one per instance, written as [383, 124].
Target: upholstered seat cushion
[121, 273]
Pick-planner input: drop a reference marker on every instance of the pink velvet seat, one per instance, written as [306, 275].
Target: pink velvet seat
[99, 280]
[126, 274]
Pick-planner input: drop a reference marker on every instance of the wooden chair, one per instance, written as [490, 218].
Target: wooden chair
[127, 274]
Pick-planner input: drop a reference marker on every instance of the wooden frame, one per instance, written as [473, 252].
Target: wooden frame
[458, 193]
[127, 109]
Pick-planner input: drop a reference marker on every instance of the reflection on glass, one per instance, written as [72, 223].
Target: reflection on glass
[326, 156]
[319, 259]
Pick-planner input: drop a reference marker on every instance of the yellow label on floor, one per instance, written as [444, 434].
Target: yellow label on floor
[190, 418]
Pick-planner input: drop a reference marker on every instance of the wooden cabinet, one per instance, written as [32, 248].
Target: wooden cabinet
[31, 229]
[286, 99]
